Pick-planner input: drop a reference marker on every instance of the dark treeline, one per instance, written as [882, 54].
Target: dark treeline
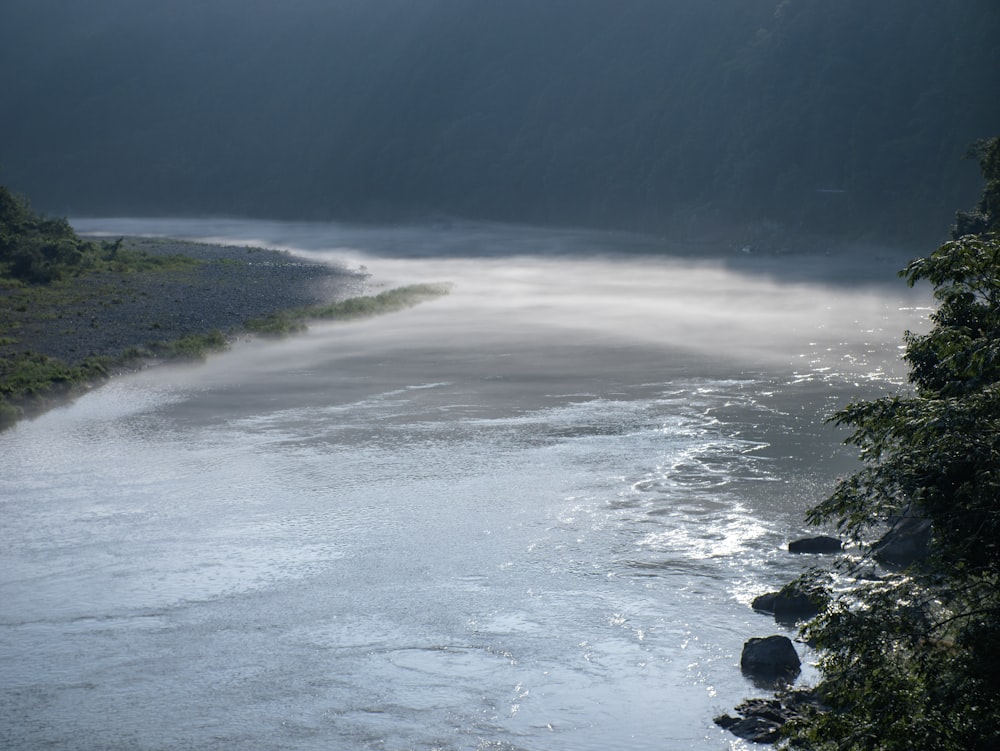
[847, 117]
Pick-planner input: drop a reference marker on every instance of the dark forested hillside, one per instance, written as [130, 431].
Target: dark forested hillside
[846, 117]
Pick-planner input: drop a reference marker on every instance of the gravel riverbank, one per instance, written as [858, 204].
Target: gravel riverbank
[110, 313]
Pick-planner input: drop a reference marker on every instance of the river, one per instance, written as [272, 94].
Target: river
[526, 516]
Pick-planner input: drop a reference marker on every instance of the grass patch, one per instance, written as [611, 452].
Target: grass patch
[128, 261]
[390, 301]
[28, 374]
[194, 347]
[276, 324]
[30, 381]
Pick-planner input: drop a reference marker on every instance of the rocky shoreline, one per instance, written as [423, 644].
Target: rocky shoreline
[773, 662]
[231, 285]
[118, 319]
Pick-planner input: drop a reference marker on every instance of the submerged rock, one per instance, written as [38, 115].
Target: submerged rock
[821, 544]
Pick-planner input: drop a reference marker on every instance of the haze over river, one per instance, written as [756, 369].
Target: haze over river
[530, 514]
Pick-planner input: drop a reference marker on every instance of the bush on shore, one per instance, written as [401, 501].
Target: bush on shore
[35, 249]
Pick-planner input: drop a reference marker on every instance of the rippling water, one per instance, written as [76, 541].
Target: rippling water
[530, 515]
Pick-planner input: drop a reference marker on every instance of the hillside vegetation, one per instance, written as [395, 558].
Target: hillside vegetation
[845, 118]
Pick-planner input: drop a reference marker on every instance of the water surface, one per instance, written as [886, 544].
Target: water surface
[529, 515]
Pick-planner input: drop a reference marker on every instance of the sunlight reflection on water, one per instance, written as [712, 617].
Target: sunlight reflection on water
[530, 515]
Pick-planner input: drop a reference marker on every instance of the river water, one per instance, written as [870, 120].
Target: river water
[530, 515]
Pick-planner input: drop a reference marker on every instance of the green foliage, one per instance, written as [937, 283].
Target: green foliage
[960, 354]
[40, 250]
[276, 324]
[902, 660]
[28, 379]
[33, 374]
[916, 653]
[390, 301]
[986, 216]
[939, 447]
[193, 347]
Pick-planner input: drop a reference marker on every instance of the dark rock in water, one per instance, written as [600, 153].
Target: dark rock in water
[760, 720]
[754, 728]
[820, 544]
[765, 602]
[790, 605]
[794, 607]
[906, 543]
[770, 657]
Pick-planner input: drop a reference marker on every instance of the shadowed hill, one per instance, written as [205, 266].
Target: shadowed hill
[845, 117]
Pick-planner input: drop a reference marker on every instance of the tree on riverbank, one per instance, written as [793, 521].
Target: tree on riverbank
[912, 658]
[37, 249]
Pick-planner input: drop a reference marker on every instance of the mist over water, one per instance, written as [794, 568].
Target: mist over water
[542, 287]
[528, 515]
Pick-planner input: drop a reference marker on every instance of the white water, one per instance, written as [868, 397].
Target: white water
[529, 515]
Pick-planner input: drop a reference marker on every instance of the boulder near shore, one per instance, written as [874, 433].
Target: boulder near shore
[817, 545]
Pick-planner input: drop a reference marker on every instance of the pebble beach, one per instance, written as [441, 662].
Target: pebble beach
[230, 286]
